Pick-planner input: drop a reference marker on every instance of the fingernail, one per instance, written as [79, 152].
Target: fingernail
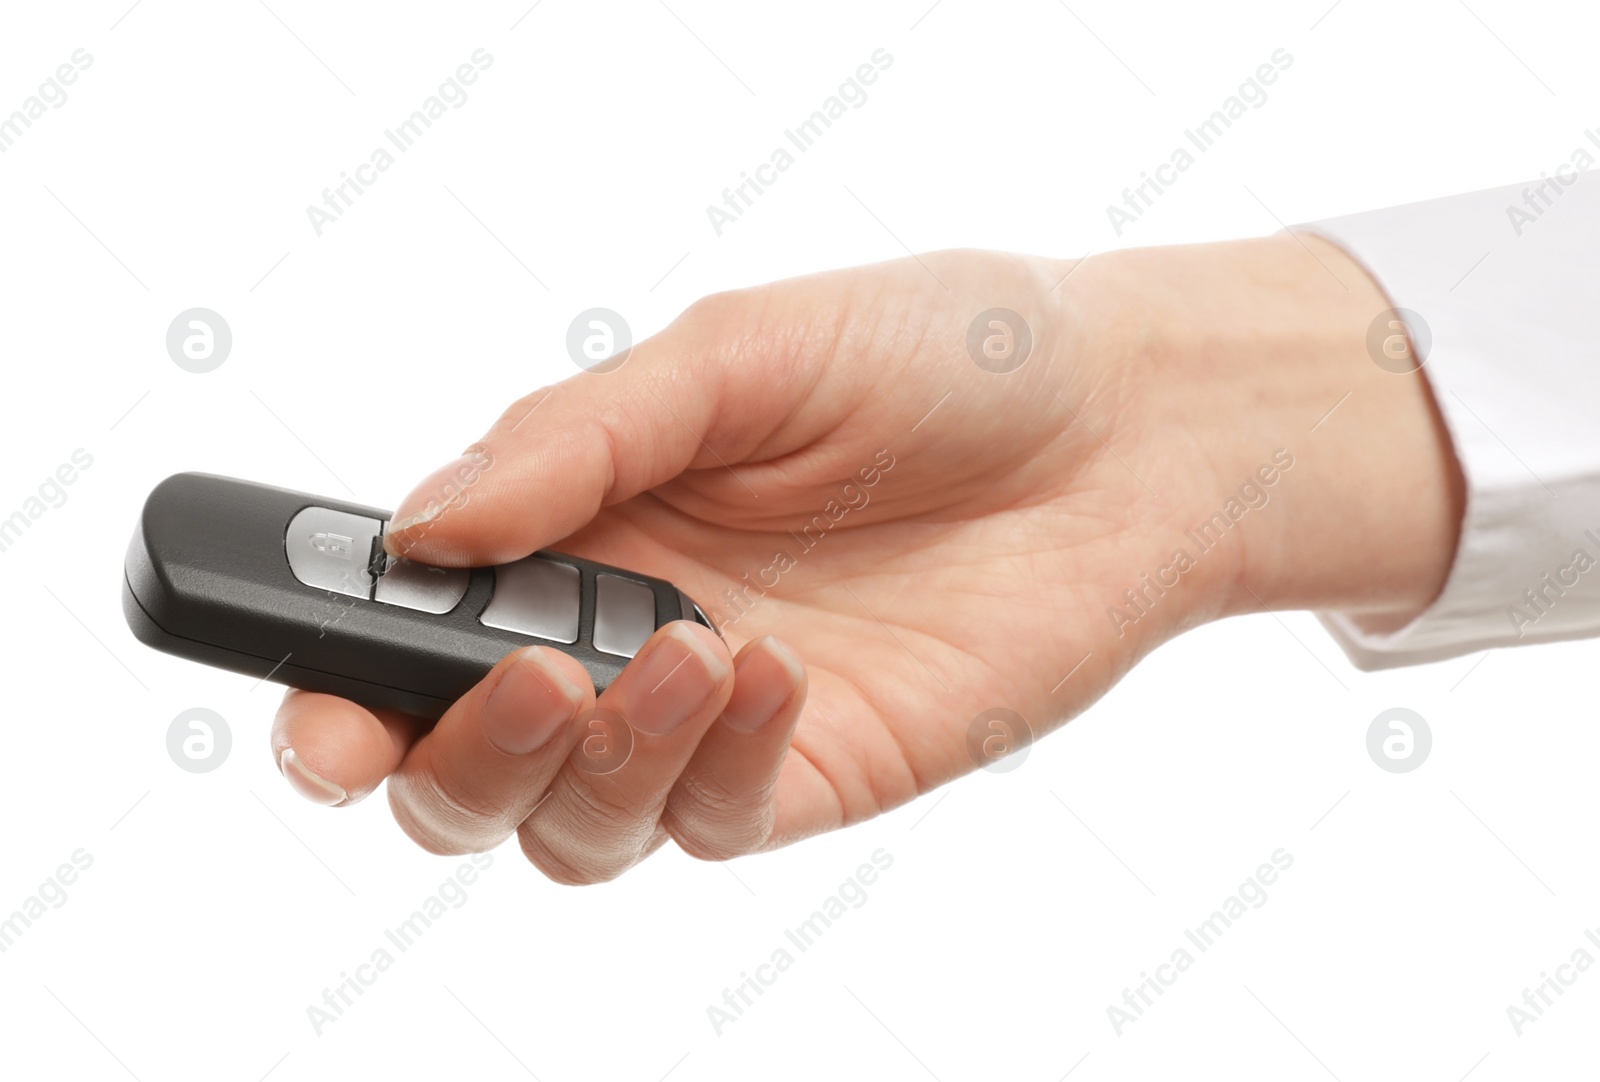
[405, 522]
[303, 780]
[672, 682]
[763, 680]
[439, 491]
[531, 703]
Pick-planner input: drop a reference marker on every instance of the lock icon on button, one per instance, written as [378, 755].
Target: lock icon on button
[332, 544]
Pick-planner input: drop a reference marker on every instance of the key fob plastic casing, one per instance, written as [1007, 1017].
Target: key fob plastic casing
[296, 588]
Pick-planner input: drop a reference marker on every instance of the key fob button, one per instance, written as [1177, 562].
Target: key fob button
[420, 586]
[537, 597]
[689, 610]
[624, 615]
[331, 549]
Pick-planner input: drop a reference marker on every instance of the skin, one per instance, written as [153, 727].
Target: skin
[994, 522]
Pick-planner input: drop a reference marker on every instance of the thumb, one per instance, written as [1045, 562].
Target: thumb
[560, 454]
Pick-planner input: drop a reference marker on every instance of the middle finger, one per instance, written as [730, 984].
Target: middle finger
[601, 814]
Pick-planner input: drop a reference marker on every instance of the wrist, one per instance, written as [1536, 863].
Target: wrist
[1314, 478]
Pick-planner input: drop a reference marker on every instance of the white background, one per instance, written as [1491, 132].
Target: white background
[1019, 905]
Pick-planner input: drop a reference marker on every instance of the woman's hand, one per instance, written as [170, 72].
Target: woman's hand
[899, 533]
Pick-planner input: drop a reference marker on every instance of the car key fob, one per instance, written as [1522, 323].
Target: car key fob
[298, 589]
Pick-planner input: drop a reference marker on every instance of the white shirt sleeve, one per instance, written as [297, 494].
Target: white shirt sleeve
[1507, 282]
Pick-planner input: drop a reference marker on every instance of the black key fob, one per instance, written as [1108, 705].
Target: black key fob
[296, 588]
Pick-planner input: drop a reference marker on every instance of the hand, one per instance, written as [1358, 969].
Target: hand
[894, 539]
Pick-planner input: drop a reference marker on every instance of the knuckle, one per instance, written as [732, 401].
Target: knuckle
[704, 796]
[421, 829]
[711, 823]
[724, 844]
[586, 833]
[562, 863]
[724, 327]
[598, 806]
[716, 309]
[456, 803]
[438, 814]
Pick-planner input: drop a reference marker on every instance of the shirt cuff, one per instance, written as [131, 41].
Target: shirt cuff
[1503, 307]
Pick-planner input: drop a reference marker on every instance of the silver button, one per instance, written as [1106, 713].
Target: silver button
[420, 586]
[624, 615]
[536, 597]
[331, 549]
